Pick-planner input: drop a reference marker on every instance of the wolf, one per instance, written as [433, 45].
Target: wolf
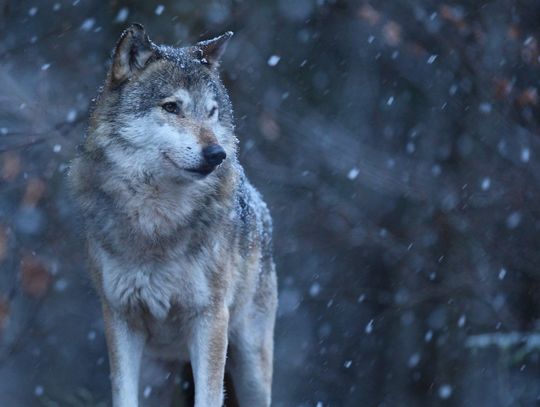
[179, 241]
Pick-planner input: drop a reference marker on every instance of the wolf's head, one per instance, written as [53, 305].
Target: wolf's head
[163, 112]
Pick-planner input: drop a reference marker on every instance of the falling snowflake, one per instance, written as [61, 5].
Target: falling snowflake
[71, 116]
[486, 183]
[315, 289]
[122, 15]
[432, 59]
[88, 24]
[513, 220]
[414, 359]
[159, 9]
[369, 327]
[353, 173]
[61, 285]
[445, 391]
[273, 60]
[525, 155]
[485, 108]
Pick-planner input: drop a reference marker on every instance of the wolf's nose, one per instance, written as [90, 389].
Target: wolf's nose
[214, 154]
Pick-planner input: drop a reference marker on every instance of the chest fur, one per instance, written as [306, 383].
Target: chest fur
[155, 288]
[150, 212]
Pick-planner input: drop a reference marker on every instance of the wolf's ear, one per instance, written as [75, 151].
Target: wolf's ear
[131, 54]
[212, 50]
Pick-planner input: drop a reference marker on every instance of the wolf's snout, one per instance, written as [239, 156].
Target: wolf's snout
[214, 154]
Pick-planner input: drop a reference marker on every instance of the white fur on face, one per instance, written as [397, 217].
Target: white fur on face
[211, 109]
[183, 97]
[155, 139]
[224, 138]
[165, 149]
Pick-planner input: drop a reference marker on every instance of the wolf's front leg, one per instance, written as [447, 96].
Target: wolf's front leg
[250, 364]
[125, 348]
[208, 349]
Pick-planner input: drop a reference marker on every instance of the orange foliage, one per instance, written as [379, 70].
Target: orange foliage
[35, 279]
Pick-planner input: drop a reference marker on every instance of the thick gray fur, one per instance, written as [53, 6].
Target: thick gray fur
[180, 257]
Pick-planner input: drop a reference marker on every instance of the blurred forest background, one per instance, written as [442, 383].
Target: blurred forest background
[397, 145]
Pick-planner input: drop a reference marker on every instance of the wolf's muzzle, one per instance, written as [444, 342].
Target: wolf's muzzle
[214, 155]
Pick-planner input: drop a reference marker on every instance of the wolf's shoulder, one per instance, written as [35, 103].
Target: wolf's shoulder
[250, 203]
[254, 222]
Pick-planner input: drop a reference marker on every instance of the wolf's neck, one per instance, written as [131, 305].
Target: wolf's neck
[157, 211]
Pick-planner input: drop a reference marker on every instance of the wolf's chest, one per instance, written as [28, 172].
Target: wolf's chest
[155, 288]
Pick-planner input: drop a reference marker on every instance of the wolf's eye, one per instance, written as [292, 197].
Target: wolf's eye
[212, 111]
[171, 107]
